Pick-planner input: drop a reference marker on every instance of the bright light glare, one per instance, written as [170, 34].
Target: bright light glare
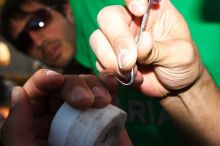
[41, 24]
[4, 54]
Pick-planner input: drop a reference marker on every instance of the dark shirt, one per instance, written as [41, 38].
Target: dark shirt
[2, 91]
[75, 68]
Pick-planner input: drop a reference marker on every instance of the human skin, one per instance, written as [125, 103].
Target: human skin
[166, 62]
[54, 44]
[35, 104]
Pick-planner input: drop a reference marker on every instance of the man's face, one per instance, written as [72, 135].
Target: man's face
[54, 42]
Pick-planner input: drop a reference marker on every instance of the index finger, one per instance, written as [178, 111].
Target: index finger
[114, 22]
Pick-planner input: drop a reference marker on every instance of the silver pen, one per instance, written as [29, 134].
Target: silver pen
[144, 20]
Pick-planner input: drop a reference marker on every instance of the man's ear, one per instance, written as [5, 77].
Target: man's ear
[68, 13]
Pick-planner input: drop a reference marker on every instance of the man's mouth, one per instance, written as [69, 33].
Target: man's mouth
[52, 51]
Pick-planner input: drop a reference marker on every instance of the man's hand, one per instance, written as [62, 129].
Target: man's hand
[166, 56]
[35, 104]
[166, 64]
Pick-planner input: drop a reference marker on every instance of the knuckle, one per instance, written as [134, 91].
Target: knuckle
[93, 37]
[108, 14]
[103, 14]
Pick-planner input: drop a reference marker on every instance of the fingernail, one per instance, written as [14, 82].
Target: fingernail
[98, 92]
[123, 58]
[82, 98]
[107, 74]
[109, 77]
[15, 96]
[79, 93]
[136, 7]
[51, 73]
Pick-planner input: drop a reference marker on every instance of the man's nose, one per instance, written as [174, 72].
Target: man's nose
[37, 37]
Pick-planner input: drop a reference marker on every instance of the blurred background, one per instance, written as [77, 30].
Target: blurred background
[15, 68]
[15, 63]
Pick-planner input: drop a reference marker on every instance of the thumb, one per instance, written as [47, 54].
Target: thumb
[169, 53]
[17, 129]
[173, 64]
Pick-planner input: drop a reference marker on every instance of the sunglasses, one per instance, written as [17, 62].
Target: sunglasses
[39, 20]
